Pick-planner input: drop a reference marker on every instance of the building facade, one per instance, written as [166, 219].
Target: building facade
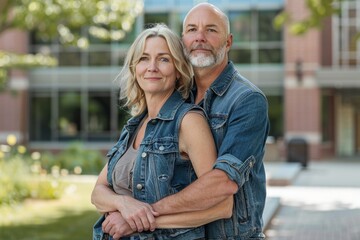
[312, 81]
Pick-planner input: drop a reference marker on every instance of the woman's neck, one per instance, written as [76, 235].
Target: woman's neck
[154, 104]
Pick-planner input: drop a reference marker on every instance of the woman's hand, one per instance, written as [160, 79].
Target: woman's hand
[139, 215]
[116, 226]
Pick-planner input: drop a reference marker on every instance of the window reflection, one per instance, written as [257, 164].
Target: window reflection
[240, 25]
[40, 115]
[69, 122]
[240, 56]
[100, 58]
[266, 31]
[154, 18]
[69, 57]
[270, 56]
[99, 112]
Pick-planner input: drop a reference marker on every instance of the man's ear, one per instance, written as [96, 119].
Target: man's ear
[229, 41]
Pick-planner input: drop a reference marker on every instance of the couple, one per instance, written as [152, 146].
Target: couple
[171, 175]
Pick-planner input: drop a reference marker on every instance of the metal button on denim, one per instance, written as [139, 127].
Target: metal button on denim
[161, 148]
[139, 186]
[143, 154]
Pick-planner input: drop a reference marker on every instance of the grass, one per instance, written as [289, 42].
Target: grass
[68, 218]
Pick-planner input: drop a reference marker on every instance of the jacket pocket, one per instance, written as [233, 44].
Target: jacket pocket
[98, 233]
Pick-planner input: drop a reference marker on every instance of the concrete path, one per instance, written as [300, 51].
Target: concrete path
[323, 203]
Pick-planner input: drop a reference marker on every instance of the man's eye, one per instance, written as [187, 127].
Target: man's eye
[191, 30]
[211, 30]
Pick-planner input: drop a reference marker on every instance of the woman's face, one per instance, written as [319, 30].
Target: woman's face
[155, 71]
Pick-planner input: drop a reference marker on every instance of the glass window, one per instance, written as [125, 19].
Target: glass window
[255, 39]
[266, 31]
[270, 56]
[276, 108]
[40, 117]
[123, 116]
[129, 36]
[327, 115]
[240, 56]
[346, 27]
[240, 25]
[69, 122]
[69, 57]
[100, 58]
[153, 18]
[99, 112]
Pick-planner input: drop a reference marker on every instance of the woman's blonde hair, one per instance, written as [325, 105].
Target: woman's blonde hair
[130, 89]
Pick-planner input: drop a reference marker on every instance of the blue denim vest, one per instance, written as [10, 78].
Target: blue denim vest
[159, 170]
[238, 115]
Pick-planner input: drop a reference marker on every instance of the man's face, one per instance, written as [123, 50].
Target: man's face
[205, 37]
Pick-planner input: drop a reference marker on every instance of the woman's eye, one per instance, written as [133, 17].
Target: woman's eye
[163, 59]
[143, 59]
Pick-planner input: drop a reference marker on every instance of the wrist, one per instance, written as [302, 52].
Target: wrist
[120, 202]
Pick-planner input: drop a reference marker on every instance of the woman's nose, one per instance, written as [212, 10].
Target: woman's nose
[152, 66]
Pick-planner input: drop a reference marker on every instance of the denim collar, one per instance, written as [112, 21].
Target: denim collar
[223, 81]
[167, 111]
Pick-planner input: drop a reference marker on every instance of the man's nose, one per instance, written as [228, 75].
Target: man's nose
[200, 36]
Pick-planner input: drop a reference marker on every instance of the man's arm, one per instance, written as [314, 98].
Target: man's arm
[207, 191]
[117, 227]
[212, 186]
[242, 148]
[197, 218]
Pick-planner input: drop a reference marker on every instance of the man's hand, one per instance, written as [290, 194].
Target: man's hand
[116, 226]
[139, 215]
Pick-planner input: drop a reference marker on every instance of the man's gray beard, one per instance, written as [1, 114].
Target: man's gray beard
[203, 60]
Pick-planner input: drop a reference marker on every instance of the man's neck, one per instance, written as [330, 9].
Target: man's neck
[204, 77]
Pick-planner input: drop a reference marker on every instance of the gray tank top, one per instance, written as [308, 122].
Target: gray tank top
[122, 174]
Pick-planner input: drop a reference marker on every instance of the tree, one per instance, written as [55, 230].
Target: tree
[319, 10]
[63, 20]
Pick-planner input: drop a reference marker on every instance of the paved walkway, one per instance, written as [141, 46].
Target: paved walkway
[323, 203]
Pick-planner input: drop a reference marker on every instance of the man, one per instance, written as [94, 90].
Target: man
[237, 112]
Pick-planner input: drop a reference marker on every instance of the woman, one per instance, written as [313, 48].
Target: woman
[163, 147]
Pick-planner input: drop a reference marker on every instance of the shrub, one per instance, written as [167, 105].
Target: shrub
[76, 159]
[12, 181]
[21, 175]
[45, 188]
[73, 160]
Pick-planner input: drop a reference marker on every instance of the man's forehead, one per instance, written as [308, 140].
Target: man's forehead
[204, 16]
[197, 24]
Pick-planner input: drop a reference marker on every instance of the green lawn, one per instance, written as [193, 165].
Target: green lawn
[69, 218]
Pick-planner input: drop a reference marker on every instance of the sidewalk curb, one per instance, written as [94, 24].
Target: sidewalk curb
[272, 205]
[278, 174]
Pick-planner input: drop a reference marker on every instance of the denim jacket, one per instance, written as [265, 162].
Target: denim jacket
[159, 170]
[238, 115]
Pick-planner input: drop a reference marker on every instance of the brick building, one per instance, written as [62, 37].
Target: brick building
[312, 81]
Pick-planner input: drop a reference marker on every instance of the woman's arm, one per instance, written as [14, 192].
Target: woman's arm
[139, 215]
[103, 197]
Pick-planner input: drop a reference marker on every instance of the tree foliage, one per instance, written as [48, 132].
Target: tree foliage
[319, 10]
[66, 21]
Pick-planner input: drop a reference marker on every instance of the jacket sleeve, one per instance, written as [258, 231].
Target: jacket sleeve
[242, 149]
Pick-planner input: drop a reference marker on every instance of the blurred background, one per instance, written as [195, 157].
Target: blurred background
[59, 108]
